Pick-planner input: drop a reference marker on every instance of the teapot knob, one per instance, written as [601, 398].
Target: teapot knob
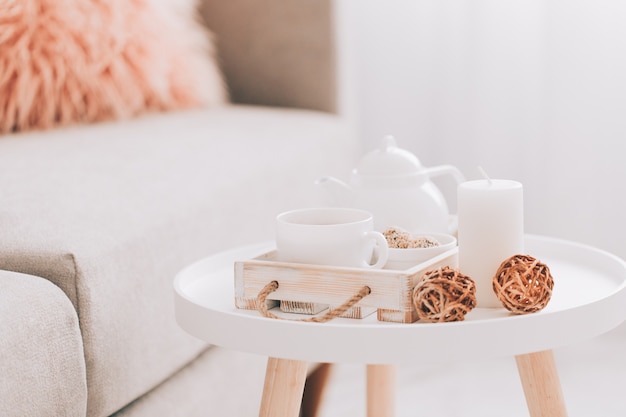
[389, 141]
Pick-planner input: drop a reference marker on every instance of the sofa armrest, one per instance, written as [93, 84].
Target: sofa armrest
[277, 52]
[42, 366]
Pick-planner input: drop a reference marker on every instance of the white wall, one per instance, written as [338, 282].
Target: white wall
[533, 91]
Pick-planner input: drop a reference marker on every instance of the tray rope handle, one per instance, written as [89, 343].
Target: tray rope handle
[329, 315]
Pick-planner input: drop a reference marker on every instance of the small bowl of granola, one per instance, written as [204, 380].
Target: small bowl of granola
[409, 249]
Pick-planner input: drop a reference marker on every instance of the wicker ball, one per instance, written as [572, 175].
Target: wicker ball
[523, 284]
[444, 295]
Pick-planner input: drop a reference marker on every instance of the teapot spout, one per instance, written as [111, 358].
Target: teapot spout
[339, 192]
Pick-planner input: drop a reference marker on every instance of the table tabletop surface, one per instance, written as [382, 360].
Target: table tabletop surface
[589, 298]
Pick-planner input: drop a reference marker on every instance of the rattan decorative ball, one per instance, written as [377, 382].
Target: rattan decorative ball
[523, 284]
[444, 295]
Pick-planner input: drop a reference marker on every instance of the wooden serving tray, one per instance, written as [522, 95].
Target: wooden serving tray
[391, 290]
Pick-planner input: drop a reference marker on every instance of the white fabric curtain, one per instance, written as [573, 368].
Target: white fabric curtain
[533, 91]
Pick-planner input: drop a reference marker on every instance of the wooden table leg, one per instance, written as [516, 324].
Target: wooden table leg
[541, 384]
[381, 390]
[284, 384]
[314, 390]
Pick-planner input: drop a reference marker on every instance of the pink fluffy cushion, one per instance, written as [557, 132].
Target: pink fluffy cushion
[68, 61]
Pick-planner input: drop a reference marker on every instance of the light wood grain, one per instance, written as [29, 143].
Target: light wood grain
[299, 307]
[247, 303]
[540, 381]
[314, 283]
[397, 316]
[356, 312]
[381, 391]
[284, 385]
[390, 289]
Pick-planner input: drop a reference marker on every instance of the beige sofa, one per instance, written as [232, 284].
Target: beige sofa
[96, 220]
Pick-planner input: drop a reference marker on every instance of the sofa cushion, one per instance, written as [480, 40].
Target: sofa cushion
[67, 61]
[42, 367]
[227, 383]
[111, 212]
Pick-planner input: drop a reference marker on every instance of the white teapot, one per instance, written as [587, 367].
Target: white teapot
[392, 184]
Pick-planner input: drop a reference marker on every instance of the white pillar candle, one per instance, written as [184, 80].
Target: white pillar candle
[490, 230]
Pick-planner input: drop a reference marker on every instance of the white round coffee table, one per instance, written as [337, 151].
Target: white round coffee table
[589, 299]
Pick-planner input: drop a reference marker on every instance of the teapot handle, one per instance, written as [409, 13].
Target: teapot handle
[459, 178]
[445, 169]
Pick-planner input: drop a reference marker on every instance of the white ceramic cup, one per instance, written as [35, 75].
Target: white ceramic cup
[330, 236]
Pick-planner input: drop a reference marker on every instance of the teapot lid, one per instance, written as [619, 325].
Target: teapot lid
[389, 160]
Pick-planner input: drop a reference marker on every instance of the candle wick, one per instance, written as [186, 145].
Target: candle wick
[484, 174]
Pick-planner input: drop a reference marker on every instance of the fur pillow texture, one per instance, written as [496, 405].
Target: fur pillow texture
[84, 61]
